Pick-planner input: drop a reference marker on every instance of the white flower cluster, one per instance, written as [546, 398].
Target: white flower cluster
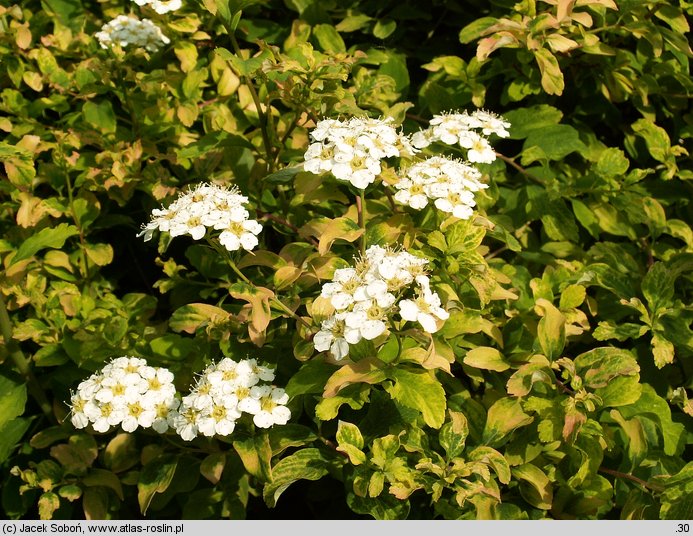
[462, 129]
[448, 183]
[364, 296]
[208, 206]
[161, 7]
[129, 31]
[352, 150]
[126, 392]
[224, 392]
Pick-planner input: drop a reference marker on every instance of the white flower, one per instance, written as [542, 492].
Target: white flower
[161, 7]
[331, 337]
[448, 183]
[238, 235]
[353, 150]
[207, 208]
[270, 406]
[425, 309]
[128, 31]
[491, 123]
[126, 391]
[368, 318]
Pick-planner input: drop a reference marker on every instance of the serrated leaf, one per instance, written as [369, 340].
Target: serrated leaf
[419, 390]
[662, 350]
[50, 237]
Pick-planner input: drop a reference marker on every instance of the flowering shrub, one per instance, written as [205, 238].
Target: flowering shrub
[353, 266]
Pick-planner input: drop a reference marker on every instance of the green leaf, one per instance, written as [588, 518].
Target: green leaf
[622, 331]
[535, 486]
[212, 466]
[420, 390]
[551, 329]
[213, 141]
[557, 141]
[355, 396]
[100, 115]
[12, 399]
[70, 13]
[102, 477]
[656, 139]
[662, 350]
[306, 464]
[11, 433]
[194, 315]
[572, 296]
[495, 459]
[310, 378]
[612, 163]
[453, 434]
[476, 29]
[155, 477]
[525, 120]
[99, 254]
[350, 441]
[620, 391]
[364, 371]
[551, 76]
[504, 416]
[256, 454]
[658, 287]
[172, 346]
[289, 435]
[340, 228]
[329, 39]
[48, 503]
[486, 358]
[599, 366]
[50, 237]
[650, 404]
[384, 27]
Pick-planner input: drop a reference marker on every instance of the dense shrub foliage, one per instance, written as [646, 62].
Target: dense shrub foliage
[526, 348]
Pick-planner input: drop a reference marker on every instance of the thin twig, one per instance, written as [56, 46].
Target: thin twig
[632, 478]
[519, 168]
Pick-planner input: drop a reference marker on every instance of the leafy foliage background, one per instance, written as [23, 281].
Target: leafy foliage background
[559, 386]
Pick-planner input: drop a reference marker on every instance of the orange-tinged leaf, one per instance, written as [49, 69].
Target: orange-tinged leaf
[365, 371]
